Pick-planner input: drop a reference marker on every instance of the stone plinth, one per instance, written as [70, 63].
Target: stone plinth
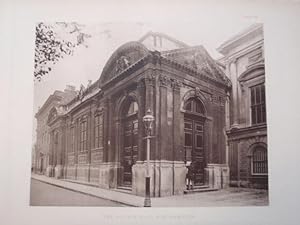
[49, 171]
[108, 175]
[58, 171]
[166, 178]
[70, 172]
[218, 175]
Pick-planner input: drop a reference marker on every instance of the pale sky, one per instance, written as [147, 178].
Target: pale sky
[87, 62]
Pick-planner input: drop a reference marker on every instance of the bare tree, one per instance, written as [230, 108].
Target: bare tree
[53, 42]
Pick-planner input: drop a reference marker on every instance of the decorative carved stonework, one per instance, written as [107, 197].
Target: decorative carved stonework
[81, 92]
[242, 86]
[197, 91]
[150, 79]
[164, 81]
[122, 63]
[207, 96]
[84, 117]
[175, 84]
[99, 110]
[140, 84]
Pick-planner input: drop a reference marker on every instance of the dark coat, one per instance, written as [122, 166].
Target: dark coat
[191, 172]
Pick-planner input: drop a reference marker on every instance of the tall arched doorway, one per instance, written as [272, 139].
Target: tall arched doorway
[129, 136]
[194, 119]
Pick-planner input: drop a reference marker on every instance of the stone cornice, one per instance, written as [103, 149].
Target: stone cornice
[49, 100]
[239, 38]
[132, 68]
[195, 73]
[156, 58]
[247, 132]
[232, 58]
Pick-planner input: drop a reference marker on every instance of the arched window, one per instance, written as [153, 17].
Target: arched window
[132, 109]
[259, 161]
[195, 106]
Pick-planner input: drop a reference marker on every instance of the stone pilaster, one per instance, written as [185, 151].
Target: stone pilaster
[141, 133]
[164, 145]
[150, 104]
[106, 124]
[234, 97]
[111, 135]
[178, 123]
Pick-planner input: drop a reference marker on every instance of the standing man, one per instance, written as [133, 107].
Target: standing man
[190, 175]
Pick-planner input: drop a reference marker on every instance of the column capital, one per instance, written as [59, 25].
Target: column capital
[176, 84]
[150, 79]
[164, 81]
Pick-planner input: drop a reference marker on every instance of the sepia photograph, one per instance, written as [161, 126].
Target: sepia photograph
[140, 114]
[149, 112]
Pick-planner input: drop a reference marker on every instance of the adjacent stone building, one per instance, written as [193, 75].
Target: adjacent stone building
[247, 128]
[42, 146]
[97, 137]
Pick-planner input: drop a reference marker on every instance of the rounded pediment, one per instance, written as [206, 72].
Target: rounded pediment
[252, 72]
[124, 57]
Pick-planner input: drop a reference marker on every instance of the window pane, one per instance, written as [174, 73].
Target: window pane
[188, 139]
[199, 127]
[252, 96]
[259, 116]
[260, 161]
[135, 107]
[257, 93]
[127, 141]
[135, 139]
[263, 93]
[258, 108]
[199, 141]
[253, 113]
[199, 107]
[188, 125]
[188, 106]
[263, 113]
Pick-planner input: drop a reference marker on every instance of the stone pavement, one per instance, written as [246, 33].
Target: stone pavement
[225, 197]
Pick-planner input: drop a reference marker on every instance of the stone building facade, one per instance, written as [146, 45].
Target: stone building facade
[247, 128]
[97, 137]
[42, 147]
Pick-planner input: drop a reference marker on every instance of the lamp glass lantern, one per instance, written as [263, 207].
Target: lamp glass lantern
[148, 121]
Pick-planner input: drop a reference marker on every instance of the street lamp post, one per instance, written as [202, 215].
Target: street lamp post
[148, 120]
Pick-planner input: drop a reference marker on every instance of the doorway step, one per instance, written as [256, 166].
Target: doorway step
[200, 188]
[125, 189]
